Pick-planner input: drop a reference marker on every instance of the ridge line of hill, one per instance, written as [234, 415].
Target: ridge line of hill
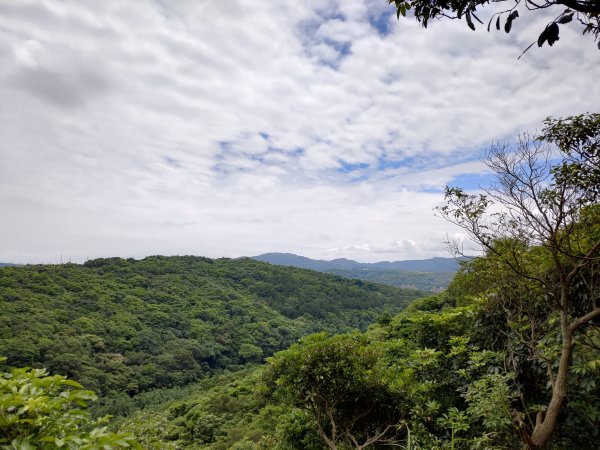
[436, 264]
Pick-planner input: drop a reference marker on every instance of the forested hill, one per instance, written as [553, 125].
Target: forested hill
[127, 326]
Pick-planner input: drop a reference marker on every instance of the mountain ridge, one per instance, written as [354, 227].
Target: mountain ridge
[436, 264]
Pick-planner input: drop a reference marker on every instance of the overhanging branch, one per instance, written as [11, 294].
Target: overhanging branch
[584, 7]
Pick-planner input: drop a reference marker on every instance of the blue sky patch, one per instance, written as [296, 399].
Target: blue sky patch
[472, 181]
[347, 168]
[297, 152]
[432, 189]
[382, 22]
[410, 162]
[343, 48]
[359, 179]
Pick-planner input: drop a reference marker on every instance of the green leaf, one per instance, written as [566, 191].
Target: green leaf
[566, 18]
[469, 21]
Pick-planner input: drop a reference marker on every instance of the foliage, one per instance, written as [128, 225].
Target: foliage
[439, 387]
[224, 411]
[578, 138]
[49, 412]
[444, 366]
[539, 225]
[340, 381]
[124, 327]
[452, 368]
[586, 12]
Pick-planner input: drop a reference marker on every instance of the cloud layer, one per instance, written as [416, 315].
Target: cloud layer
[231, 128]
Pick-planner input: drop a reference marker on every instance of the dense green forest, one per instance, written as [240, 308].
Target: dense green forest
[451, 371]
[121, 327]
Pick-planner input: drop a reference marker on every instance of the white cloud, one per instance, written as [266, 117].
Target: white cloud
[233, 128]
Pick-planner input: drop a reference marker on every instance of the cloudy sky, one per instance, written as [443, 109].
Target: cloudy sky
[237, 127]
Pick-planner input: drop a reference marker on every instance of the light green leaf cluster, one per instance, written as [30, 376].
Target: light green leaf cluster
[38, 411]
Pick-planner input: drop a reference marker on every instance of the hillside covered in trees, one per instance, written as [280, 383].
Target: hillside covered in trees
[121, 327]
[452, 371]
[469, 368]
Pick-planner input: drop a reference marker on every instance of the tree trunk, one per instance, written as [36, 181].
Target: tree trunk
[330, 441]
[543, 430]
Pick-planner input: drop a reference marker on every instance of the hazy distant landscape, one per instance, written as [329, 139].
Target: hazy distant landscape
[431, 275]
[444, 265]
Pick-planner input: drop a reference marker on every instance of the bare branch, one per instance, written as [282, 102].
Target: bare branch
[576, 324]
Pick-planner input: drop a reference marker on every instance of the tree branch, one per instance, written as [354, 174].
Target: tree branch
[584, 7]
[577, 323]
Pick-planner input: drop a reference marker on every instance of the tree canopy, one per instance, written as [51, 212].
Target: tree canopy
[541, 221]
[340, 381]
[586, 12]
[39, 411]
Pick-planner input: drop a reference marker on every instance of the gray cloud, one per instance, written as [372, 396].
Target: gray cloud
[62, 89]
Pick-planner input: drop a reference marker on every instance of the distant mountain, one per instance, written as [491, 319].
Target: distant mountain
[444, 265]
[434, 274]
[289, 259]
[9, 265]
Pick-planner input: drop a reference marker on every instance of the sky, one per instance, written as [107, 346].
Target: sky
[238, 127]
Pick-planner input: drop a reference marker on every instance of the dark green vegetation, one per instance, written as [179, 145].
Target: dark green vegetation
[450, 372]
[431, 274]
[541, 222]
[586, 12]
[445, 372]
[121, 327]
[225, 411]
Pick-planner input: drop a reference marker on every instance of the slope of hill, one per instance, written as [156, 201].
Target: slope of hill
[432, 274]
[124, 326]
